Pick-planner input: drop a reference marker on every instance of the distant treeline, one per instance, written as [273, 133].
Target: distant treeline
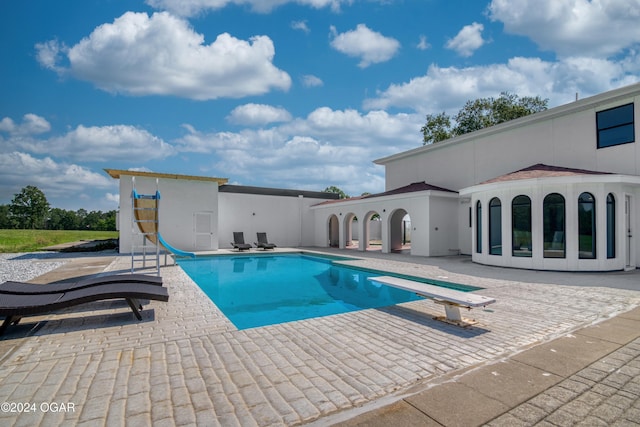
[61, 219]
[30, 209]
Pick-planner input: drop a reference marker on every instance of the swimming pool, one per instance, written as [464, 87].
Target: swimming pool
[260, 290]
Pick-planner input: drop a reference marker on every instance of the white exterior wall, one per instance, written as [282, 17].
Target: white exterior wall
[288, 221]
[179, 201]
[443, 226]
[427, 210]
[569, 188]
[375, 230]
[564, 136]
[464, 227]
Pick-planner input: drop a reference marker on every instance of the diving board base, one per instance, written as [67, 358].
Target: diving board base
[453, 316]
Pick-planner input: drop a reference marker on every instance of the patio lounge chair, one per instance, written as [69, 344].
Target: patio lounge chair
[263, 243]
[238, 241]
[12, 287]
[14, 306]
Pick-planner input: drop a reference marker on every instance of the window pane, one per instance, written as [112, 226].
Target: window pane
[615, 126]
[611, 226]
[553, 215]
[479, 228]
[615, 116]
[521, 223]
[495, 227]
[616, 136]
[586, 226]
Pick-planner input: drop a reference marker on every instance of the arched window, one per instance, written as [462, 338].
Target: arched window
[611, 226]
[553, 217]
[586, 226]
[495, 227]
[479, 227]
[521, 226]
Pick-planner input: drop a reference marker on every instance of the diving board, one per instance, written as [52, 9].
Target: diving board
[452, 299]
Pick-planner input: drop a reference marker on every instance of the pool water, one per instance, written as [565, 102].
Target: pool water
[261, 290]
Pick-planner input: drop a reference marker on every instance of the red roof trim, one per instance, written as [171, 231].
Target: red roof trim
[542, 171]
[411, 188]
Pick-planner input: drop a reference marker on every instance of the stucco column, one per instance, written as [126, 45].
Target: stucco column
[363, 236]
[385, 233]
[342, 232]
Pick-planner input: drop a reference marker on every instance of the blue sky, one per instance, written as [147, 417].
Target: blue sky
[297, 94]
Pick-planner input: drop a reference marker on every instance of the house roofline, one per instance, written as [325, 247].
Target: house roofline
[584, 104]
[118, 173]
[265, 191]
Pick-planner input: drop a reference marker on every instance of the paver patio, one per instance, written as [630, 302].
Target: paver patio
[186, 364]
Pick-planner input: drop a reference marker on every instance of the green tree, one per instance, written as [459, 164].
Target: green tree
[29, 208]
[336, 190]
[479, 114]
[437, 128]
[5, 217]
[109, 221]
[61, 219]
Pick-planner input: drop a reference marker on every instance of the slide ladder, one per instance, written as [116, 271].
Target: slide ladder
[144, 228]
[146, 239]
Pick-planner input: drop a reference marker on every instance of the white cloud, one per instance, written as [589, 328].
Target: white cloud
[423, 44]
[300, 25]
[310, 80]
[195, 7]
[468, 40]
[163, 55]
[49, 54]
[32, 124]
[370, 46]
[572, 27]
[112, 197]
[328, 147]
[117, 142]
[258, 114]
[351, 127]
[89, 144]
[198, 142]
[447, 89]
[18, 169]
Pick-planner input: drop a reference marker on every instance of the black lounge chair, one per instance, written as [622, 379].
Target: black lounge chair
[14, 306]
[238, 241]
[263, 243]
[12, 287]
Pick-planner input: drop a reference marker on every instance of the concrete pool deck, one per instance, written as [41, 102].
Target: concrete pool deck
[555, 345]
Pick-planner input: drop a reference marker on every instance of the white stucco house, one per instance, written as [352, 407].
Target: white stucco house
[556, 190]
[199, 213]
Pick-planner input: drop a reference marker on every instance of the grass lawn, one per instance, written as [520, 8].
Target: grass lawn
[35, 240]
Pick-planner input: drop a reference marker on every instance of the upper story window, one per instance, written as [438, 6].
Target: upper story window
[615, 126]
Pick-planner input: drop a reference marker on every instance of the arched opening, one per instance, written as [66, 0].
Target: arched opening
[586, 226]
[334, 231]
[521, 226]
[350, 231]
[553, 216]
[372, 231]
[400, 231]
[495, 226]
